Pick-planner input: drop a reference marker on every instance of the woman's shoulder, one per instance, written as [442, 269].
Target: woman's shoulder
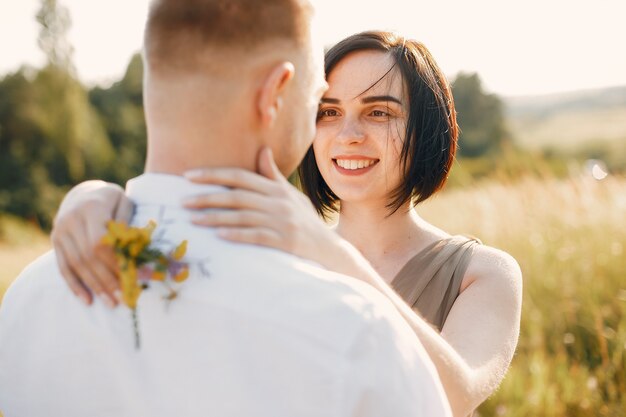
[493, 267]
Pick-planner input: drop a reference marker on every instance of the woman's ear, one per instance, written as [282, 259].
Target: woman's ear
[270, 99]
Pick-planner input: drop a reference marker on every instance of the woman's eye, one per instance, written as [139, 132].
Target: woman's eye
[379, 113]
[327, 113]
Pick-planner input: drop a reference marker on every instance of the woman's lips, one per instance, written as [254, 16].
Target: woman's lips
[354, 165]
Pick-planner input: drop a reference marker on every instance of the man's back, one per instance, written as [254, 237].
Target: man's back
[252, 332]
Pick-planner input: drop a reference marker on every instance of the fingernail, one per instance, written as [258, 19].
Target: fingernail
[108, 301]
[84, 299]
[221, 232]
[197, 217]
[118, 295]
[194, 173]
[188, 201]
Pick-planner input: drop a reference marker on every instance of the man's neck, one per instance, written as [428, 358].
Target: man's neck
[198, 122]
[175, 153]
[188, 136]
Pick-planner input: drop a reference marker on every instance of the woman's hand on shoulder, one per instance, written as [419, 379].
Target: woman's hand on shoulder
[262, 209]
[86, 264]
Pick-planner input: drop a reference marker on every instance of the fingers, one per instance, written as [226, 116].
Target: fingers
[234, 178]
[72, 280]
[237, 199]
[123, 210]
[102, 257]
[89, 273]
[84, 262]
[80, 258]
[233, 218]
[74, 267]
[256, 236]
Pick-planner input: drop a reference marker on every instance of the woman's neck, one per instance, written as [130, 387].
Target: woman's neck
[371, 229]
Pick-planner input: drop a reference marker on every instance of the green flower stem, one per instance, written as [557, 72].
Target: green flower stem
[136, 329]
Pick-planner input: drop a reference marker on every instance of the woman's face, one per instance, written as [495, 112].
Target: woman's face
[360, 128]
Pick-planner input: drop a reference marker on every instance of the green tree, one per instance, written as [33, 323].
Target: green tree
[64, 112]
[50, 135]
[480, 117]
[20, 145]
[76, 140]
[50, 139]
[121, 110]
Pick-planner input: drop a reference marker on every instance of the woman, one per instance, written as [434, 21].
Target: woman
[386, 138]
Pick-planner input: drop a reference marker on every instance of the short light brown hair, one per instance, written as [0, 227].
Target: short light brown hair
[179, 31]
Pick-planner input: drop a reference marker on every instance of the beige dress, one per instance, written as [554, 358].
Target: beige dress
[431, 280]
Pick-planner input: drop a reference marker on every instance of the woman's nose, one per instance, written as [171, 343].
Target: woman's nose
[351, 131]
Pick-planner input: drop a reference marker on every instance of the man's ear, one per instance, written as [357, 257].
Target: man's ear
[270, 98]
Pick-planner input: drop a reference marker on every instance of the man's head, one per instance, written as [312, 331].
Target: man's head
[246, 70]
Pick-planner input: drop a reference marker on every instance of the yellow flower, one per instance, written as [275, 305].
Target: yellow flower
[180, 251]
[182, 275]
[158, 276]
[129, 236]
[150, 228]
[108, 240]
[114, 229]
[133, 251]
[130, 286]
[117, 229]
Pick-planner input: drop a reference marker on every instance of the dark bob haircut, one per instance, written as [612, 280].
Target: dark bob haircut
[431, 132]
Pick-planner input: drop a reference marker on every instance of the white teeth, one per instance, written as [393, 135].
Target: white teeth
[354, 163]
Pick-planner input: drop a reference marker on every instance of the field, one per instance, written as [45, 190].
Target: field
[568, 121]
[570, 240]
[20, 243]
[569, 237]
[571, 130]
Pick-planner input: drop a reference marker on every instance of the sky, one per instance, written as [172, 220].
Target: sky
[517, 47]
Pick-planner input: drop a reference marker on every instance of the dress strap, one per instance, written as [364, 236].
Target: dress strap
[430, 281]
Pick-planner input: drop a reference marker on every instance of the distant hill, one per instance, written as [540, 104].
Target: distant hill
[568, 120]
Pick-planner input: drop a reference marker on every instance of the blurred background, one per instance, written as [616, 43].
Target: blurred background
[540, 90]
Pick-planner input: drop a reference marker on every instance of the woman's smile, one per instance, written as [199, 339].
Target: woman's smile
[354, 164]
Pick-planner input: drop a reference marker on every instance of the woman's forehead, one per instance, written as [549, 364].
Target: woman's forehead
[365, 73]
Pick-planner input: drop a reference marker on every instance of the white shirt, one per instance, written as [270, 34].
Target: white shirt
[263, 334]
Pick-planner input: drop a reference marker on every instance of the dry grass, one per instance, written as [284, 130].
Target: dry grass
[14, 259]
[569, 238]
[569, 130]
[20, 244]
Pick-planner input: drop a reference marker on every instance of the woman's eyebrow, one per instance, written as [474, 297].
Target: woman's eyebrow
[374, 99]
[365, 100]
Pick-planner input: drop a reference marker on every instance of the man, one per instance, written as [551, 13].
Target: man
[261, 332]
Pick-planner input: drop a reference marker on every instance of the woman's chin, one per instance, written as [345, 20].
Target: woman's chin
[360, 197]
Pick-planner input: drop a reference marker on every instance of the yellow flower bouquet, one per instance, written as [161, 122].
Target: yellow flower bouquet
[139, 263]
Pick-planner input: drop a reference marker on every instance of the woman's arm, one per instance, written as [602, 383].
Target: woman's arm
[86, 265]
[478, 339]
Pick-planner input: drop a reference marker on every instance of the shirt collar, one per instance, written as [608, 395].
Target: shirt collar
[165, 189]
